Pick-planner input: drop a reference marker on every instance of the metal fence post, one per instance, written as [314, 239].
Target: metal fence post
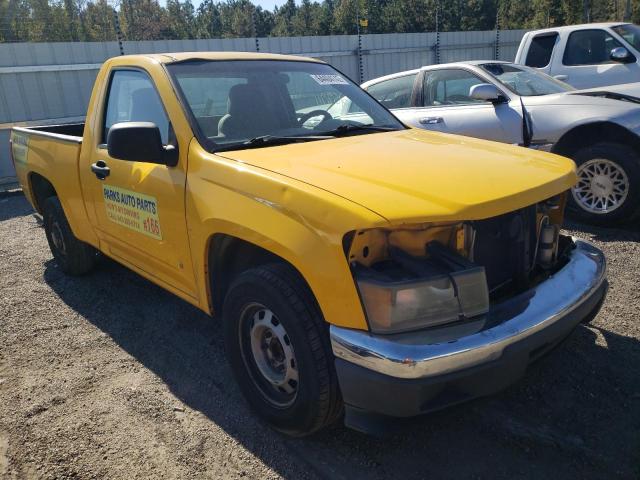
[255, 29]
[496, 53]
[436, 47]
[359, 50]
[116, 19]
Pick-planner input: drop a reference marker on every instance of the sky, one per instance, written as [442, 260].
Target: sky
[266, 4]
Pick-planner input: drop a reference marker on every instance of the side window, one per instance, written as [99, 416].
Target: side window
[540, 50]
[589, 47]
[449, 87]
[132, 97]
[394, 93]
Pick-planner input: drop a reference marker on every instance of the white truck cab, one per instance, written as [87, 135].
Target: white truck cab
[585, 56]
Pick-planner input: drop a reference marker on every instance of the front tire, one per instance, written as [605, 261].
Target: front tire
[74, 256]
[278, 346]
[608, 188]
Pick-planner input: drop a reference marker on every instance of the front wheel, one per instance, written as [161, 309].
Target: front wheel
[608, 188]
[279, 350]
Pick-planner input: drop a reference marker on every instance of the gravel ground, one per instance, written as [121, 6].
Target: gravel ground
[108, 376]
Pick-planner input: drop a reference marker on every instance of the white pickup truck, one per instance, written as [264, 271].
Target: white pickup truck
[587, 56]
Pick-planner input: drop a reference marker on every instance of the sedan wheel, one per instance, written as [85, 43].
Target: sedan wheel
[603, 186]
[608, 188]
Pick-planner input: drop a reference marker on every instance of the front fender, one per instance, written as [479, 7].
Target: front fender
[297, 222]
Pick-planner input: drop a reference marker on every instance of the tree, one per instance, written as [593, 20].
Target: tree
[143, 20]
[93, 20]
[99, 22]
[208, 23]
[283, 19]
[344, 17]
[181, 19]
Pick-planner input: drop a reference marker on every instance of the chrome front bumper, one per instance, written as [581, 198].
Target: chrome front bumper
[440, 351]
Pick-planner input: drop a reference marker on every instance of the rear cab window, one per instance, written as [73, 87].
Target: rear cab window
[589, 47]
[541, 49]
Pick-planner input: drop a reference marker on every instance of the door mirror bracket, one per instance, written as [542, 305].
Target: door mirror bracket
[140, 142]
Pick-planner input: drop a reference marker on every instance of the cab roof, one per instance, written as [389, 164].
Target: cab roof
[186, 56]
[582, 26]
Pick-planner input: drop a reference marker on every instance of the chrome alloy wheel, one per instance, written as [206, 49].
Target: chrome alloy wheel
[272, 354]
[603, 186]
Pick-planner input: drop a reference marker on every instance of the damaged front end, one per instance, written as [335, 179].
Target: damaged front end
[459, 310]
[413, 277]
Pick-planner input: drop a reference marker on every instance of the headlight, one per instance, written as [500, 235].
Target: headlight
[445, 288]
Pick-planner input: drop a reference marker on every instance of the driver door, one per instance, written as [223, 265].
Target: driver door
[140, 207]
[445, 106]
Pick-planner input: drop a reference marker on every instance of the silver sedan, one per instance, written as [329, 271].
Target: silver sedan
[510, 103]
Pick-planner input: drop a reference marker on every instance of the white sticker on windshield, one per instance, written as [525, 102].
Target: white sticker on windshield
[330, 79]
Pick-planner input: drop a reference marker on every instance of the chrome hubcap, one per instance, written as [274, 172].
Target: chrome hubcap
[602, 186]
[273, 355]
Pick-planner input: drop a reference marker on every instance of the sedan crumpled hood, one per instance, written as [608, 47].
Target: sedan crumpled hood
[631, 89]
[593, 98]
[414, 176]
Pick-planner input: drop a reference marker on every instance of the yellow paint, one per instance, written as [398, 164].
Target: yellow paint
[297, 201]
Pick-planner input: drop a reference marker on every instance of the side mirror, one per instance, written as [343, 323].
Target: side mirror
[620, 54]
[140, 142]
[486, 92]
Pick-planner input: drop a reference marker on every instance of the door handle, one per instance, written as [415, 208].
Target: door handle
[100, 169]
[430, 120]
[562, 78]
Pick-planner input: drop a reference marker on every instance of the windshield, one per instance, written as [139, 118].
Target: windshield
[250, 103]
[525, 81]
[631, 33]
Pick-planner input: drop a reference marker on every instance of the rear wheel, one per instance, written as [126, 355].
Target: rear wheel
[278, 347]
[608, 188]
[74, 256]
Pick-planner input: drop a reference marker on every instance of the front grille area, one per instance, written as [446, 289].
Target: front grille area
[505, 247]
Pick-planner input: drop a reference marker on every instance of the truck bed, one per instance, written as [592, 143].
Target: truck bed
[69, 132]
[51, 153]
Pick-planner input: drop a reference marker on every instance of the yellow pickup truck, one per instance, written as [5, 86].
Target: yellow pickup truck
[361, 269]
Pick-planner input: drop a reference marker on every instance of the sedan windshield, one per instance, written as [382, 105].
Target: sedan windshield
[630, 32]
[256, 103]
[525, 81]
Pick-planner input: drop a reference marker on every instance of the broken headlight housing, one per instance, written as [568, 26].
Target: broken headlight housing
[403, 291]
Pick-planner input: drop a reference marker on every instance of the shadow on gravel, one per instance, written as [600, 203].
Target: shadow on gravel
[13, 205]
[576, 414]
[628, 233]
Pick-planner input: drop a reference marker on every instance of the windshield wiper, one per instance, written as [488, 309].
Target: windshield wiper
[270, 140]
[349, 127]
[264, 140]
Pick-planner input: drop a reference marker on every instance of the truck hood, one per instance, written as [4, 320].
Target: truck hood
[415, 176]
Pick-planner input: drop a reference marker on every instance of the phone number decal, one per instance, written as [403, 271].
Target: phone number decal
[132, 210]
